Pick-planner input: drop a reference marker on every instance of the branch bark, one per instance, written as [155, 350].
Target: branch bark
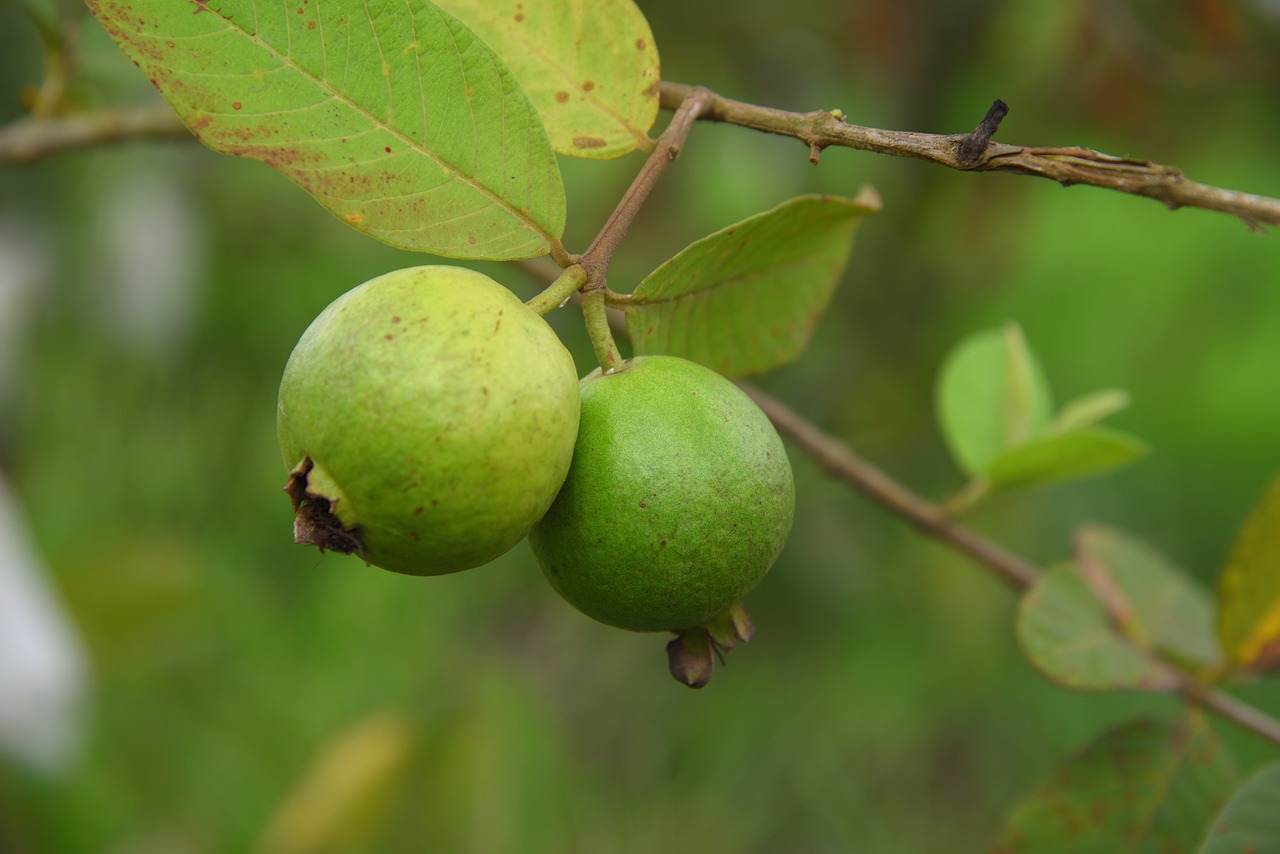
[837, 459]
[28, 140]
[971, 152]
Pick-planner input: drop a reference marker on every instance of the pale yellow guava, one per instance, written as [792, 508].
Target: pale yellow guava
[428, 419]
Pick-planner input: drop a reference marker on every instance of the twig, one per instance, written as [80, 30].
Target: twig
[28, 140]
[597, 257]
[1233, 709]
[840, 461]
[1067, 166]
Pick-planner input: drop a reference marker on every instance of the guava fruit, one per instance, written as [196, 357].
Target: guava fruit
[428, 418]
[679, 499]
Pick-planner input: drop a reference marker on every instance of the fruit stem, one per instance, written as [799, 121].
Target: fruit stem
[597, 320]
[559, 291]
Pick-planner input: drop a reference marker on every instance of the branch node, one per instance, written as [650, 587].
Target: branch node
[815, 153]
[970, 148]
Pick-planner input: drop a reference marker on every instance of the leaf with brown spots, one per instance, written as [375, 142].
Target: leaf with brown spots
[391, 113]
[1100, 622]
[1144, 788]
[589, 66]
[745, 299]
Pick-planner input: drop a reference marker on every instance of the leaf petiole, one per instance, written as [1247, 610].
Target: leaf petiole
[558, 291]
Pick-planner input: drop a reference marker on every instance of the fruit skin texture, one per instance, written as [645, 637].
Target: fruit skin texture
[438, 414]
[678, 501]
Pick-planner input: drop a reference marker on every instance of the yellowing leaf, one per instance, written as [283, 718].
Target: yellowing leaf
[350, 784]
[391, 114]
[589, 66]
[1249, 587]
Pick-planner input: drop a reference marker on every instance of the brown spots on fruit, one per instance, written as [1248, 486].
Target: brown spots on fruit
[415, 536]
[519, 17]
[589, 142]
[651, 90]
[235, 105]
[643, 504]
[641, 44]
[168, 44]
[354, 219]
[562, 97]
[395, 319]
[311, 25]
[389, 337]
[471, 238]
[588, 85]
[417, 510]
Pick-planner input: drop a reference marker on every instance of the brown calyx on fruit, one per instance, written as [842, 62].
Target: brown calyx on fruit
[313, 523]
[692, 655]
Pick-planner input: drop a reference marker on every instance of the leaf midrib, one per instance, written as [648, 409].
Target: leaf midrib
[338, 95]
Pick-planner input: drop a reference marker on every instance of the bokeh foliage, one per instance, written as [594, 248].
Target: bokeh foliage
[883, 685]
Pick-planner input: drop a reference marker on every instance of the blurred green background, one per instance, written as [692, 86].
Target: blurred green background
[245, 692]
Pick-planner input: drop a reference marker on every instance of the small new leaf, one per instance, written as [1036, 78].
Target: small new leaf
[392, 115]
[1249, 588]
[1058, 457]
[745, 299]
[992, 396]
[589, 66]
[1143, 787]
[1089, 409]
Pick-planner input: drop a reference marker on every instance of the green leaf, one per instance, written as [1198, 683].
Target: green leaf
[1144, 788]
[392, 115]
[1089, 409]
[1064, 456]
[1095, 623]
[1249, 589]
[589, 66]
[745, 299]
[1250, 822]
[992, 396]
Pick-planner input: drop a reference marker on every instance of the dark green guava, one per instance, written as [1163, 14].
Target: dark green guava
[428, 418]
[679, 499]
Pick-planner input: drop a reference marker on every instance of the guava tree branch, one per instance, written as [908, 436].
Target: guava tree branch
[975, 152]
[838, 460]
[27, 140]
[30, 139]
